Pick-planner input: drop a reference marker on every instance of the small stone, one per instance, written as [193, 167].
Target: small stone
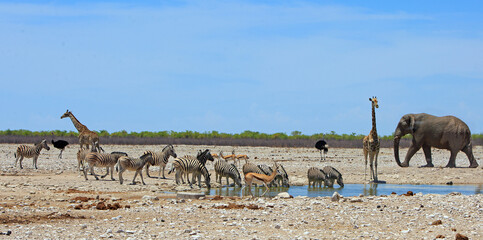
[150, 198]
[335, 197]
[461, 237]
[437, 222]
[284, 195]
[440, 236]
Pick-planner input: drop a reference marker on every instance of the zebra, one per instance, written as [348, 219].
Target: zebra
[133, 164]
[250, 167]
[316, 176]
[95, 159]
[81, 158]
[159, 159]
[224, 169]
[196, 166]
[267, 170]
[30, 152]
[282, 179]
[332, 174]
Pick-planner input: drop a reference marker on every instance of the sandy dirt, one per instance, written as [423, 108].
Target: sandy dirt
[56, 202]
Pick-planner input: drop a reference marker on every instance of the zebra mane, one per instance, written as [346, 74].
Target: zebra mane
[204, 156]
[167, 146]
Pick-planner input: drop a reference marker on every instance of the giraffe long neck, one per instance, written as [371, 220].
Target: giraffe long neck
[374, 129]
[79, 126]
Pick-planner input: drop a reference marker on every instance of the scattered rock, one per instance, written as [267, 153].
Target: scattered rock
[409, 193]
[454, 193]
[461, 237]
[150, 198]
[437, 222]
[101, 206]
[440, 236]
[449, 183]
[284, 195]
[335, 197]
[189, 195]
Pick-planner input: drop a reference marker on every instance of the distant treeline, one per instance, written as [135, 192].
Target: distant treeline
[246, 138]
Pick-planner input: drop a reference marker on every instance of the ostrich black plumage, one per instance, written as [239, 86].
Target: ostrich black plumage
[322, 145]
[60, 144]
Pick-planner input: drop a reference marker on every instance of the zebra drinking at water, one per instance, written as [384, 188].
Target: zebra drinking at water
[30, 152]
[332, 174]
[196, 166]
[107, 160]
[224, 169]
[159, 159]
[133, 164]
[282, 178]
[250, 167]
[316, 176]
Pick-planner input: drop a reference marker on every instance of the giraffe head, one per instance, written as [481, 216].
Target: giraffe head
[66, 114]
[374, 102]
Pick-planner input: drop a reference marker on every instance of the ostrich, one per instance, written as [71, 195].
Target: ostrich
[322, 146]
[60, 144]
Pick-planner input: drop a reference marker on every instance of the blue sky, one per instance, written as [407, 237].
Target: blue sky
[230, 66]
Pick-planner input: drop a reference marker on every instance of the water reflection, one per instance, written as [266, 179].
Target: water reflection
[478, 189]
[369, 189]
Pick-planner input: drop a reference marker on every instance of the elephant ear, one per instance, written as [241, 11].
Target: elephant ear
[411, 124]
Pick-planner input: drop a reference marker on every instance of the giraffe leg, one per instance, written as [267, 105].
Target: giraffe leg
[375, 165]
[371, 164]
[365, 165]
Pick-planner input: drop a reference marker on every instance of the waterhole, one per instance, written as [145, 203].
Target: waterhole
[350, 190]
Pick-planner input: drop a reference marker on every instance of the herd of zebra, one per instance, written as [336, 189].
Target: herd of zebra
[88, 159]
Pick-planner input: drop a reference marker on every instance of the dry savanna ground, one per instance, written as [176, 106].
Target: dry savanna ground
[56, 202]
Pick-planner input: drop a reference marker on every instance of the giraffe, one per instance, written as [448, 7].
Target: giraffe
[371, 143]
[86, 136]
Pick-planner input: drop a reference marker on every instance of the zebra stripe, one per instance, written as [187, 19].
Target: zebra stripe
[133, 164]
[159, 159]
[107, 160]
[282, 177]
[250, 167]
[332, 174]
[316, 176]
[81, 158]
[189, 164]
[25, 151]
[224, 169]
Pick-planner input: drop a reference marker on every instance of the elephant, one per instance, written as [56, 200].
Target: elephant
[428, 131]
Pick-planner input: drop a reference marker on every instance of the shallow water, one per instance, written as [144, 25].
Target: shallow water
[351, 190]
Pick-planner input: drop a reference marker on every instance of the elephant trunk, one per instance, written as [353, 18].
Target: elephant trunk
[396, 150]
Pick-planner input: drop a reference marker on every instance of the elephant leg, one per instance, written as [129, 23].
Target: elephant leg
[427, 155]
[411, 151]
[452, 159]
[469, 153]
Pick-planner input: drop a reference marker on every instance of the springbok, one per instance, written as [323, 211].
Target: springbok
[258, 178]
